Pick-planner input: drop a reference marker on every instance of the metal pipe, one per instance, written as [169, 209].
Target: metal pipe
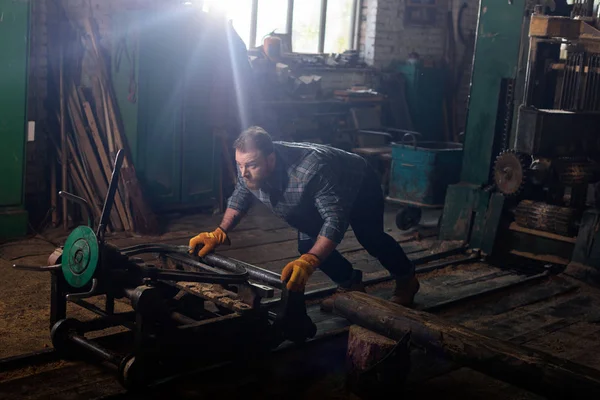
[290, 18]
[182, 319]
[322, 24]
[354, 24]
[253, 24]
[529, 71]
[96, 350]
[63, 132]
[110, 196]
[82, 202]
[254, 272]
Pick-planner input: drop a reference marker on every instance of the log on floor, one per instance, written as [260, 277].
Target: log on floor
[366, 349]
[532, 370]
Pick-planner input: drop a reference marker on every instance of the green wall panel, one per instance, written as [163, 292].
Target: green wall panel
[496, 57]
[13, 99]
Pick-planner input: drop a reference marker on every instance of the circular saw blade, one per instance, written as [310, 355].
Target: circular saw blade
[510, 172]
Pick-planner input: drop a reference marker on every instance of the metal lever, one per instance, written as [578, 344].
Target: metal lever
[110, 196]
[33, 268]
[82, 202]
[293, 323]
[85, 295]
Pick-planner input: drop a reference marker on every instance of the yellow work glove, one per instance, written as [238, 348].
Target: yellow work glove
[209, 241]
[297, 272]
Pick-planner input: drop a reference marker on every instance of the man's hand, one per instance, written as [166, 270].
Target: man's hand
[209, 241]
[297, 272]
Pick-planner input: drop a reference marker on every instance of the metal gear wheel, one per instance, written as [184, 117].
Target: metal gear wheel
[510, 172]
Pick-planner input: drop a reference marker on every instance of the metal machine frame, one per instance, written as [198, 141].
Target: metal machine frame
[532, 139]
[186, 311]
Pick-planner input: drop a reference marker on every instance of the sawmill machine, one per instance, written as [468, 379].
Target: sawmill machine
[532, 143]
[175, 312]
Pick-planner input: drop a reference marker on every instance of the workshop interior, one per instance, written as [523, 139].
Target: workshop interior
[118, 128]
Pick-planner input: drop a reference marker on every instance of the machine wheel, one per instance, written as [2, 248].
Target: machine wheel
[60, 335]
[131, 374]
[408, 217]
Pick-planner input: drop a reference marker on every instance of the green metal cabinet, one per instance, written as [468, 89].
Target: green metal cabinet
[425, 91]
[174, 149]
[14, 47]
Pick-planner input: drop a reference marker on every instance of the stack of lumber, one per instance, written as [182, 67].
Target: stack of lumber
[91, 136]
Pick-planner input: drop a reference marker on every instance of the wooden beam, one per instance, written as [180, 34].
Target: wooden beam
[530, 369]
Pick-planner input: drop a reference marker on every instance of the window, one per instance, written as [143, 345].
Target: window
[305, 26]
[316, 25]
[272, 16]
[238, 11]
[338, 26]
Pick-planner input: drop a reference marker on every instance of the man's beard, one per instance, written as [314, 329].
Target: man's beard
[254, 184]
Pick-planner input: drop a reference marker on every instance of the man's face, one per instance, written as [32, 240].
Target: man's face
[254, 167]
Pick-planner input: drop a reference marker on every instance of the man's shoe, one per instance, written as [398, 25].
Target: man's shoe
[356, 286]
[405, 291]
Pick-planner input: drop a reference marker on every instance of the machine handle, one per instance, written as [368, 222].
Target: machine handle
[44, 268]
[82, 202]
[411, 136]
[85, 295]
[110, 196]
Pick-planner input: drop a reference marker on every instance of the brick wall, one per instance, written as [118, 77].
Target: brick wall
[385, 38]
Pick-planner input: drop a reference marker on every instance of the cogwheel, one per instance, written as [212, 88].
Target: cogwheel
[510, 172]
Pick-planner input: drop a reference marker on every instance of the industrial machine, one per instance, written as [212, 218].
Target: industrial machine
[184, 312]
[532, 142]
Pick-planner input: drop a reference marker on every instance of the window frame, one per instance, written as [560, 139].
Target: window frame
[354, 23]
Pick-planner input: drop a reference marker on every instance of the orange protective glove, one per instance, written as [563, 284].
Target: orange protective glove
[209, 241]
[297, 272]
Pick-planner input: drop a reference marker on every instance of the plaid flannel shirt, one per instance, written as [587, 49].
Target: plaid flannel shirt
[312, 188]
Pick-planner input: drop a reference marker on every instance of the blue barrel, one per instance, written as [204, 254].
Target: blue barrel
[421, 172]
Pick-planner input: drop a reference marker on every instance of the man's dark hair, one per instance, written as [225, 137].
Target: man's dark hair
[254, 138]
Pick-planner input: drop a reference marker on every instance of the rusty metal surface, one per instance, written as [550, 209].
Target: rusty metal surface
[510, 172]
[216, 294]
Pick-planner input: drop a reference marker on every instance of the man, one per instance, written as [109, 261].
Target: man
[319, 191]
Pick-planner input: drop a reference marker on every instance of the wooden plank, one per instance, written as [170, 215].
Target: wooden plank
[533, 294]
[88, 192]
[549, 235]
[554, 26]
[280, 251]
[99, 180]
[105, 162]
[83, 191]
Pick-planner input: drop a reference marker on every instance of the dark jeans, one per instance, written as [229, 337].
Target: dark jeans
[366, 220]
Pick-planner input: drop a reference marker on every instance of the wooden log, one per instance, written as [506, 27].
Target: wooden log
[377, 366]
[530, 369]
[365, 349]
